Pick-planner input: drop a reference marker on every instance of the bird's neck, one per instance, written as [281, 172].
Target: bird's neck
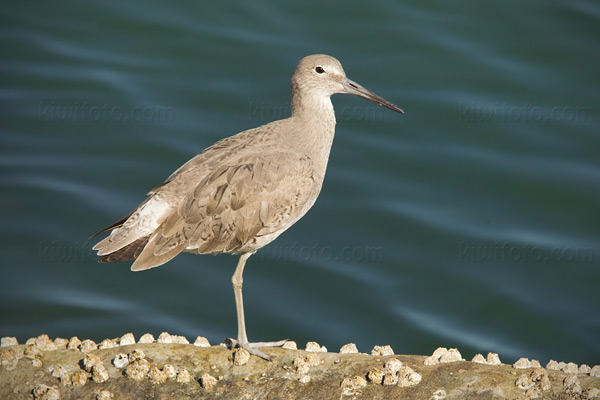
[315, 118]
[316, 111]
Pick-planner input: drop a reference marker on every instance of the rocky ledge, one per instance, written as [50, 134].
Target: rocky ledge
[172, 368]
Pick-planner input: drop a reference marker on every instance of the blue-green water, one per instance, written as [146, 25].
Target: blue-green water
[471, 221]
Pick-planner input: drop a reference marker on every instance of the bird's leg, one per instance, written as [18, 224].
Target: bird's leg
[238, 281]
[242, 339]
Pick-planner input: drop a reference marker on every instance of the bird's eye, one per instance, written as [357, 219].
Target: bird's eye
[319, 70]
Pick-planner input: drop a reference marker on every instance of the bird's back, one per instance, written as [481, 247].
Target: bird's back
[234, 197]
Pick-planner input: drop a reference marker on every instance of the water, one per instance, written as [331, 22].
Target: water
[471, 221]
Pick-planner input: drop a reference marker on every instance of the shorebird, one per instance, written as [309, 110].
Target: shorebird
[242, 192]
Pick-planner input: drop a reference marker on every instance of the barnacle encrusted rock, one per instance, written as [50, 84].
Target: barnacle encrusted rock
[165, 337]
[136, 354]
[99, 373]
[105, 395]
[382, 350]
[89, 361]
[584, 369]
[179, 339]
[8, 341]
[157, 375]
[534, 383]
[451, 355]
[183, 376]
[351, 384]
[170, 371]
[390, 378]
[74, 343]
[590, 393]
[540, 378]
[570, 368]
[88, 345]
[158, 370]
[392, 366]
[137, 370]
[523, 363]
[478, 358]
[44, 343]
[435, 357]
[312, 360]
[146, 338]
[107, 344]
[240, 356]
[32, 351]
[79, 378]
[523, 382]
[349, 348]
[375, 375]
[121, 360]
[408, 377]
[394, 372]
[290, 344]
[61, 343]
[439, 394]
[201, 341]
[572, 385]
[493, 359]
[301, 365]
[45, 392]
[313, 346]
[127, 339]
[10, 358]
[62, 374]
[208, 381]
[552, 364]
[443, 355]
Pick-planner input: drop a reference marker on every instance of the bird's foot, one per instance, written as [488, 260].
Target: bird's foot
[253, 348]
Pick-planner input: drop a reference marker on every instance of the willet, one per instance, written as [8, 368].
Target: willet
[242, 192]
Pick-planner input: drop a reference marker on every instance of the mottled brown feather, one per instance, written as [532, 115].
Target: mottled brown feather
[129, 252]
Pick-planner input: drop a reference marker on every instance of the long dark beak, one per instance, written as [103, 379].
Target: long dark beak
[355, 89]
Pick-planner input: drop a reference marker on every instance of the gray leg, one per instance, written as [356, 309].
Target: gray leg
[242, 339]
[238, 281]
